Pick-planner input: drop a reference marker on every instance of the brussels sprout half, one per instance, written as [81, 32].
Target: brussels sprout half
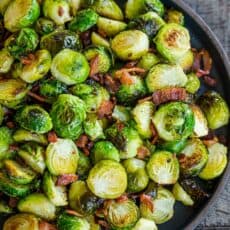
[5, 208]
[44, 26]
[174, 16]
[145, 224]
[99, 40]
[6, 61]
[148, 60]
[5, 140]
[3, 6]
[121, 113]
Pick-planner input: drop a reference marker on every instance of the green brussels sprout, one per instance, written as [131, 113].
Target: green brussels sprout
[164, 75]
[127, 140]
[84, 20]
[122, 215]
[22, 43]
[128, 94]
[5, 140]
[22, 221]
[148, 60]
[33, 156]
[3, 6]
[174, 121]
[70, 67]
[20, 14]
[84, 165]
[193, 83]
[146, 224]
[121, 113]
[186, 61]
[107, 179]
[104, 150]
[172, 41]
[62, 157]
[136, 173]
[136, 7]
[173, 146]
[5, 208]
[212, 103]
[34, 118]
[68, 113]
[110, 27]
[38, 68]
[174, 16]
[37, 204]
[58, 11]
[75, 5]
[181, 195]
[6, 61]
[193, 157]
[104, 57]
[98, 40]
[56, 194]
[163, 168]
[142, 114]
[217, 162]
[70, 222]
[130, 44]
[44, 26]
[60, 39]
[149, 23]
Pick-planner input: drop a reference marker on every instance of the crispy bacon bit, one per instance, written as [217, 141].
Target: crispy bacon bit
[60, 11]
[103, 223]
[52, 137]
[13, 147]
[82, 141]
[155, 133]
[210, 142]
[152, 50]
[147, 200]
[13, 202]
[94, 65]
[210, 81]
[73, 213]
[142, 152]
[102, 33]
[105, 109]
[10, 124]
[37, 97]
[207, 61]
[201, 73]
[43, 225]
[120, 126]
[66, 179]
[126, 79]
[120, 72]
[86, 151]
[111, 84]
[169, 94]
[86, 37]
[130, 64]
[26, 61]
[122, 199]
[187, 162]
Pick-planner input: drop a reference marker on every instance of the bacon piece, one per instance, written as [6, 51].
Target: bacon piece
[111, 84]
[120, 72]
[66, 179]
[169, 94]
[147, 200]
[122, 199]
[106, 108]
[155, 133]
[86, 37]
[43, 225]
[207, 61]
[73, 213]
[10, 124]
[94, 65]
[82, 141]
[60, 11]
[142, 152]
[126, 79]
[52, 137]
[102, 33]
[103, 223]
[210, 81]
[130, 64]
[209, 142]
[36, 96]
[13, 202]
[120, 126]
[26, 61]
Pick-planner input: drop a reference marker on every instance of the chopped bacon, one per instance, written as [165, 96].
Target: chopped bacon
[13, 147]
[43, 225]
[94, 65]
[120, 126]
[111, 84]
[60, 11]
[142, 152]
[201, 73]
[130, 64]
[169, 94]
[147, 200]
[105, 109]
[210, 81]
[188, 161]
[210, 142]
[66, 179]
[86, 151]
[102, 33]
[103, 223]
[13, 202]
[122, 199]
[52, 137]
[82, 141]
[36, 96]
[10, 124]
[155, 133]
[73, 213]
[120, 72]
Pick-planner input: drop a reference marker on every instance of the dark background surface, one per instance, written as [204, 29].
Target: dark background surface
[216, 13]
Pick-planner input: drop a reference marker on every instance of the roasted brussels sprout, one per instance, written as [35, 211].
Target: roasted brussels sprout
[217, 162]
[174, 121]
[98, 40]
[70, 222]
[121, 113]
[75, 5]
[107, 179]
[174, 16]
[37, 204]
[6, 61]
[104, 150]
[186, 61]
[158, 77]
[172, 41]
[70, 67]
[62, 157]
[193, 83]
[34, 118]
[5, 208]
[58, 11]
[44, 26]
[60, 39]
[163, 207]
[20, 14]
[5, 140]
[127, 140]
[130, 44]
[148, 60]
[3, 6]
[67, 113]
[122, 215]
[84, 165]
[173, 146]
[212, 103]
[22, 221]
[146, 224]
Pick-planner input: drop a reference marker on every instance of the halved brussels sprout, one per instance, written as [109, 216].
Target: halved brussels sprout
[163, 207]
[67, 113]
[5, 208]
[217, 162]
[142, 114]
[145, 224]
[193, 83]
[186, 61]
[104, 150]
[174, 16]
[172, 41]
[98, 40]
[56, 194]
[62, 157]
[130, 44]
[22, 221]
[3, 6]
[5, 140]
[6, 61]
[58, 11]
[122, 215]
[84, 20]
[70, 67]
[34, 118]
[137, 176]
[165, 75]
[84, 165]
[44, 26]
[75, 5]
[37, 204]
[148, 60]
[20, 14]
[70, 222]
[107, 179]
[193, 157]
[127, 140]
[121, 113]
[59, 40]
[173, 146]
[212, 103]
[174, 121]
[163, 168]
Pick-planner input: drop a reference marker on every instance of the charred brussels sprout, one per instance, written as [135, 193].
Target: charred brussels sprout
[148, 60]
[130, 44]
[215, 109]
[6, 61]
[174, 16]
[44, 26]
[84, 165]
[146, 224]
[70, 67]
[107, 179]
[98, 40]
[174, 121]
[62, 157]
[68, 113]
[34, 118]
[193, 83]
[20, 14]
[5, 140]
[172, 41]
